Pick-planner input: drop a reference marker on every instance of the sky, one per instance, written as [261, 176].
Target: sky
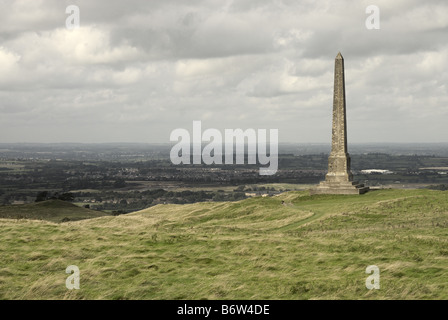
[134, 71]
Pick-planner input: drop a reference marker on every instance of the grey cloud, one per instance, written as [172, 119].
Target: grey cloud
[148, 67]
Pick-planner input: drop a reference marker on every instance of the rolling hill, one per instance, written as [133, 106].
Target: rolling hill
[50, 210]
[293, 246]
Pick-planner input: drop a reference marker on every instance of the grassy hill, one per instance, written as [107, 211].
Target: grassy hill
[293, 246]
[50, 210]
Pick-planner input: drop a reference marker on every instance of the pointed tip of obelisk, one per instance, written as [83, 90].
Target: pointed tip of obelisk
[339, 56]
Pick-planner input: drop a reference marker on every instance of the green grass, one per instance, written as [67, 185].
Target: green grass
[292, 246]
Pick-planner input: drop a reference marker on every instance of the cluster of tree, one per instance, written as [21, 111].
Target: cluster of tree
[221, 196]
[442, 187]
[186, 196]
[47, 195]
[255, 188]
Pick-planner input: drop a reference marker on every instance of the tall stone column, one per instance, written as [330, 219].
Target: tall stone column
[339, 179]
[339, 160]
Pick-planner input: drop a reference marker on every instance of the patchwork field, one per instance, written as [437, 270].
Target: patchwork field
[292, 246]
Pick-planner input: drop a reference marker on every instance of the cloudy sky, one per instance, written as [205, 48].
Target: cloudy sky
[136, 70]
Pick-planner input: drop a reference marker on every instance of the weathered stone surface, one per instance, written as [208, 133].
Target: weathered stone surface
[339, 179]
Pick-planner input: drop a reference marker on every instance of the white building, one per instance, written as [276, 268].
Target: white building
[380, 171]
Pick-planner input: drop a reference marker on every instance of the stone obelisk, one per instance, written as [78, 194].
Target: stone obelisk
[339, 179]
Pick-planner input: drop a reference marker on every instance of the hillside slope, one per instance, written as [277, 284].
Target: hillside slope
[50, 210]
[293, 246]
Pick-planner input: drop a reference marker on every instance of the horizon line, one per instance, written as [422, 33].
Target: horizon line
[206, 142]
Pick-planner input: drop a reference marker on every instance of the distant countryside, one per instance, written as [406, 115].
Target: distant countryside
[122, 178]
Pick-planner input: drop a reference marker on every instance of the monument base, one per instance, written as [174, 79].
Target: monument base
[345, 187]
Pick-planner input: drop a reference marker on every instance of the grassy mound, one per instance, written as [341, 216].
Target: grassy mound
[293, 246]
[50, 210]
